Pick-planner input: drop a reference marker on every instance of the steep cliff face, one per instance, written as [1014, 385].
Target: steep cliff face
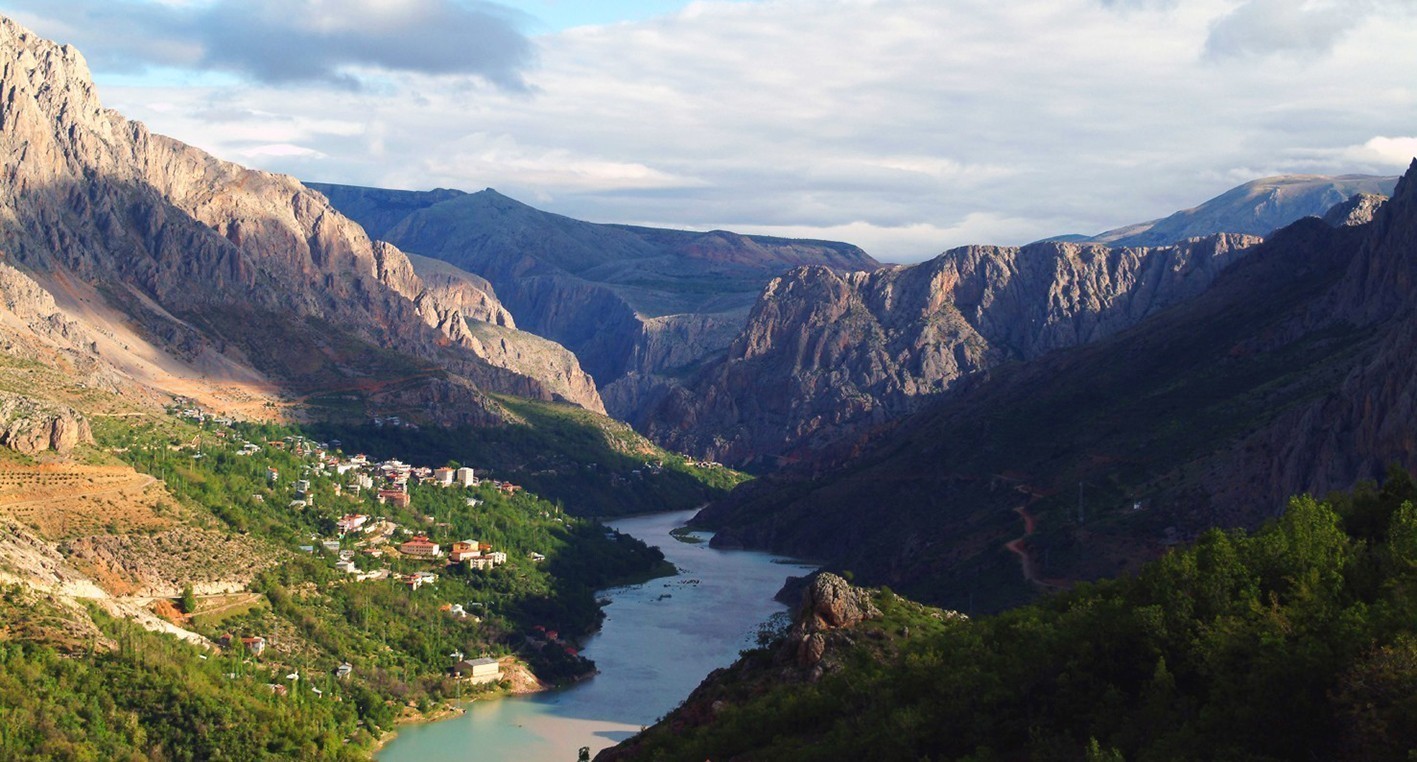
[31, 427]
[1293, 372]
[203, 258]
[1358, 429]
[825, 352]
[642, 308]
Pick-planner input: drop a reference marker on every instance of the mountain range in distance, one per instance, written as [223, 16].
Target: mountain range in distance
[1258, 207]
[697, 338]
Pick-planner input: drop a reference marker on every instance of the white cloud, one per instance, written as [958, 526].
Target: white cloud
[906, 126]
[1392, 154]
[280, 151]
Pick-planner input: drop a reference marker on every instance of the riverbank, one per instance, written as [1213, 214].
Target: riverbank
[659, 639]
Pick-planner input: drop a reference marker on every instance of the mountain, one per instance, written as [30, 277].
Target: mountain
[826, 353]
[640, 307]
[1292, 373]
[1257, 208]
[146, 262]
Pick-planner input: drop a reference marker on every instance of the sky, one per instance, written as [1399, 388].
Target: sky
[906, 127]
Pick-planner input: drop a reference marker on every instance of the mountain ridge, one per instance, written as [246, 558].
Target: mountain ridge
[197, 262]
[1290, 374]
[641, 307]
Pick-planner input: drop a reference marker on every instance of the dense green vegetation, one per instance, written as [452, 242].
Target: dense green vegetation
[118, 692]
[154, 698]
[1298, 641]
[594, 465]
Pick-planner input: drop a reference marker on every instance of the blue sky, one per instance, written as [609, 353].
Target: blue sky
[904, 126]
[558, 15]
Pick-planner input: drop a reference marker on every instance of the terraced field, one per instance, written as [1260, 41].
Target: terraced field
[62, 501]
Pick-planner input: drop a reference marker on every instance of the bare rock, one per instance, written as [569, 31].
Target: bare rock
[830, 605]
[33, 426]
[826, 353]
[1358, 210]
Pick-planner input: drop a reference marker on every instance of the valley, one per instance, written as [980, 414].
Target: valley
[293, 470]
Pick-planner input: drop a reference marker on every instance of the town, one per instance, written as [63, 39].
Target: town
[387, 522]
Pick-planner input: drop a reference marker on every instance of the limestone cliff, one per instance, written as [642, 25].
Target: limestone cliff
[1292, 373]
[209, 265]
[30, 426]
[825, 353]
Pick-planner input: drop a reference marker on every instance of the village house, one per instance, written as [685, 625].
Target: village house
[480, 563]
[443, 477]
[255, 644]
[478, 671]
[395, 497]
[464, 550]
[351, 522]
[465, 477]
[420, 546]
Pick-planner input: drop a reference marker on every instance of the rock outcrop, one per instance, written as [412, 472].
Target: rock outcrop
[1358, 210]
[826, 353]
[33, 426]
[217, 266]
[828, 603]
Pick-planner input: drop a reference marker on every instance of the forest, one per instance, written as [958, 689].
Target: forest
[1295, 641]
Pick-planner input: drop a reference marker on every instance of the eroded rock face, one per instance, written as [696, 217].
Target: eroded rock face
[640, 307]
[1358, 210]
[826, 353]
[208, 257]
[829, 603]
[33, 426]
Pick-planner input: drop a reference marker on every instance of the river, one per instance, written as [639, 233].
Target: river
[659, 640]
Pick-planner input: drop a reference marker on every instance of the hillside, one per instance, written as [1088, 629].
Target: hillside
[640, 307]
[1206, 414]
[1295, 642]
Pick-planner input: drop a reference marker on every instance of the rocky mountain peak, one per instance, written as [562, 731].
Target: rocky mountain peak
[204, 258]
[826, 353]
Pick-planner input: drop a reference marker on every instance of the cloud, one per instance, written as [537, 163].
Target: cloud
[1295, 27]
[905, 126]
[1390, 154]
[292, 41]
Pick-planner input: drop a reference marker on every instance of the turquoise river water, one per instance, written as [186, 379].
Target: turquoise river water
[659, 640]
